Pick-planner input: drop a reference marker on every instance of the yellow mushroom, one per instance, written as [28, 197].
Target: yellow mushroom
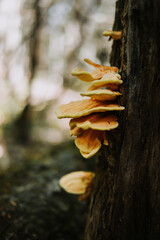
[85, 107]
[111, 81]
[109, 84]
[99, 121]
[88, 141]
[91, 118]
[93, 152]
[101, 94]
[113, 34]
[98, 73]
[83, 75]
[102, 67]
[77, 182]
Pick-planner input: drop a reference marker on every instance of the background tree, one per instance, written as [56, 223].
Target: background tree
[126, 200]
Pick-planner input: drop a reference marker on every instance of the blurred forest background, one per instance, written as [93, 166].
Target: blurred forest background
[41, 41]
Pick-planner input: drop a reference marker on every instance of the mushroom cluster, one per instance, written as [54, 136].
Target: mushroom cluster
[92, 118]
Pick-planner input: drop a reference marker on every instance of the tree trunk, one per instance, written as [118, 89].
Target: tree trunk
[125, 204]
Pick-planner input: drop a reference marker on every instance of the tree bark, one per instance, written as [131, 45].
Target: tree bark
[125, 204]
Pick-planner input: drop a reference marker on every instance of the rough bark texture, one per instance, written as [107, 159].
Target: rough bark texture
[126, 200]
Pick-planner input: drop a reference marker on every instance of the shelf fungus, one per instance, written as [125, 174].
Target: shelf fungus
[113, 34]
[97, 121]
[98, 73]
[92, 118]
[101, 94]
[78, 182]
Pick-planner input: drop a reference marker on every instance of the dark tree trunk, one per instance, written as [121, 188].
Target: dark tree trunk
[125, 203]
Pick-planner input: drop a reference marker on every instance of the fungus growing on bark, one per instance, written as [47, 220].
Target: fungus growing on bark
[89, 141]
[85, 107]
[78, 182]
[95, 74]
[83, 75]
[101, 94]
[99, 121]
[107, 82]
[113, 34]
[102, 67]
[91, 118]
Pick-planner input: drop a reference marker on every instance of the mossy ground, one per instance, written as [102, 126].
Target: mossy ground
[32, 205]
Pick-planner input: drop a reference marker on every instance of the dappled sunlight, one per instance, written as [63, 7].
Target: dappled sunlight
[40, 45]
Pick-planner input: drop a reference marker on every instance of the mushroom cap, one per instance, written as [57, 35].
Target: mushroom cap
[107, 68]
[76, 182]
[92, 153]
[113, 84]
[85, 107]
[93, 75]
[82, 75]
[113, 34]
[99, 73]
[101, 94]
[88, 141]
[100, 121]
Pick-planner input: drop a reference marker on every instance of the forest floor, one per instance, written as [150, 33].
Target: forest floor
[32, 205]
